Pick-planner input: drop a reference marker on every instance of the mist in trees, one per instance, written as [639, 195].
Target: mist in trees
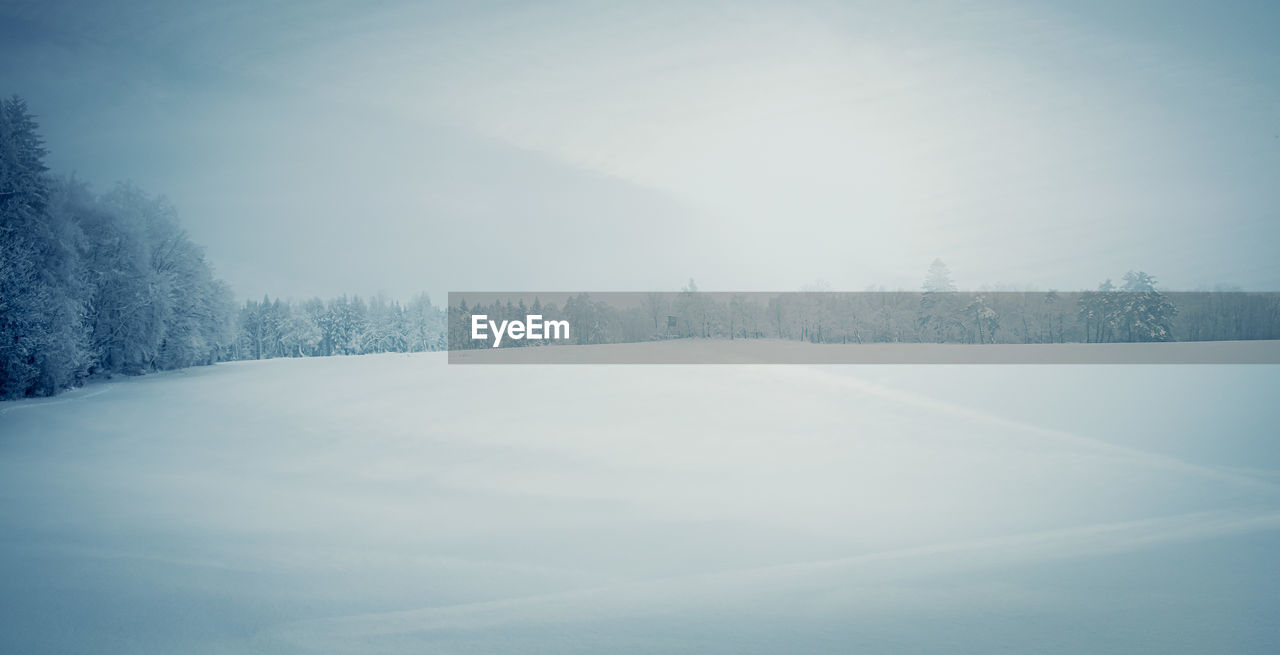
[93, 284]
[102, 284]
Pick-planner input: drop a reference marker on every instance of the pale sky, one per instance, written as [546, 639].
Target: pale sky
[320, 148]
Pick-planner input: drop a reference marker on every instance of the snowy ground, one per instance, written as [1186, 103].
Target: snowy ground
[396, 504]
[780, 351]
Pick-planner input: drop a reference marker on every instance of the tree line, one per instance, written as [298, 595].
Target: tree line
[1133, 311]
[101, 284]
[93, 285]
[341, 326]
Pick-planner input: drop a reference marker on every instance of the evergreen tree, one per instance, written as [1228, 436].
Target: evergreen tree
[938, 279]
[42, 346]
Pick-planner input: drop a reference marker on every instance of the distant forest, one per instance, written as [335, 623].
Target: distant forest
[1133, 311]
[343, 326]
[100, 284]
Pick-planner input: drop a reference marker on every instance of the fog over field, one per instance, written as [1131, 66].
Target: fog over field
[394, 504]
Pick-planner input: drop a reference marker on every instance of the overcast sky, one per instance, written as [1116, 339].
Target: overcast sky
[320, 148]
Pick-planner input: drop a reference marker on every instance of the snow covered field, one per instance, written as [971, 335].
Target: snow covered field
[394, 504]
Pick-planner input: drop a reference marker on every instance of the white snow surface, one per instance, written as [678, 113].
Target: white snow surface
[396, 504]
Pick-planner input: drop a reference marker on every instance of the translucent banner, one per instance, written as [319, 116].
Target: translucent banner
[696, 327]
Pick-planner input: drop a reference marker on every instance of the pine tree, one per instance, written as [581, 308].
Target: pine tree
[938, 279]
[41, 336]
[938, 308]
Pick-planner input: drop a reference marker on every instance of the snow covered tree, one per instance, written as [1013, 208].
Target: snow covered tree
[346, 325]
[384, 327]
[1144, 313]
[93, 285]
[985, 320]
[299, 335]
[426, 324]
[41, 336]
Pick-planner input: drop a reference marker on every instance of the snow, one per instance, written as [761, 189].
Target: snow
[780, 351]
[396, 504]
